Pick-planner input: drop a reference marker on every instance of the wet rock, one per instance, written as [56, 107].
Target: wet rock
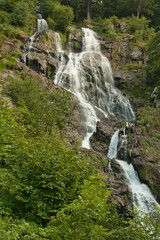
[120, 192]
[100, 140]
[136, 53]
[42, 56]
[75, 130]
[155, 98]
[76, 40]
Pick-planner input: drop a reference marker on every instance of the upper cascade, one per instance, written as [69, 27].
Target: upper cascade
[42, 25]
[88, 75]
[90, 43]
[94, 79]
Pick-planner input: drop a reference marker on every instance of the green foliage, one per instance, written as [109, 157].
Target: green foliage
[7, 5]
[2, 66]
[153, 64]
[17, 13]
[59, 16]
[55, 105]
[8, 30]
[20, 15]
[39, 174]
[88, 217]
[20, 229]
[120, 8]
[63, 16]
[4, 17]
[133, 27]
[8, 60]
[44, 38]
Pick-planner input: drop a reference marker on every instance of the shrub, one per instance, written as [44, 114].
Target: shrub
[20, 15]
[4, 17]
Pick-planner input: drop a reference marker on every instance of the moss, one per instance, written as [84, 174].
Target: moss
[132, 66]
[44, 38]
[76, 45]
[104, 162]
[148, 122]
[151, 115]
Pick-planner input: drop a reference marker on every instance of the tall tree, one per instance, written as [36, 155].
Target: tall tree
[142, 5]
[89, 4]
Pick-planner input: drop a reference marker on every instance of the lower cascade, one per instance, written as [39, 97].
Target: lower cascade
[142, 198]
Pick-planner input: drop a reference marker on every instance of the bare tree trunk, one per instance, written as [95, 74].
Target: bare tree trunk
[89, 9]
[138, 11]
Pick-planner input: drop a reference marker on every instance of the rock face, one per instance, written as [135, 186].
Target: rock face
[100, 139]
[76, 40]
[75, 130]
[100, 142]
[145, 150]
[120, 192]
[155, 98]
[9, 46]
[42, 56]
[122, 51]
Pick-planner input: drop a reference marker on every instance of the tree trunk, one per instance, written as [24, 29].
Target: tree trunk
[89, 9]
[138, 12]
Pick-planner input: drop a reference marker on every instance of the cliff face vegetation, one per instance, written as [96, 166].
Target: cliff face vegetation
[50, 187]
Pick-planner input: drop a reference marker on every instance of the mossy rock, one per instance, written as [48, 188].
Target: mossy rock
[148, 166]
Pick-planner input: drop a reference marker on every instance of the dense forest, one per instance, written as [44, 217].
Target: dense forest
[49, 190]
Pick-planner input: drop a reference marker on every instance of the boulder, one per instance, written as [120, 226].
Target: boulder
[120, 191]
[100, 140]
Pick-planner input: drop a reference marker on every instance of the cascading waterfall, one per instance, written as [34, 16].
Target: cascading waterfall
[88, 76]
[143, 199]
[42, 27]
[112, 153]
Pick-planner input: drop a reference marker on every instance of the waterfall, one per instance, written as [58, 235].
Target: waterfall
[88, 75]
[143, 200]
[90, 43]
[42, 25]
[28, 47]
[112, 153]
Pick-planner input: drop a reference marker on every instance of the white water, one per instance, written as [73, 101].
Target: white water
[88, 76]
[42, 25]
[29, 47]
[90, 43]
[143, 199]
[70, 78]
[112, 153]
